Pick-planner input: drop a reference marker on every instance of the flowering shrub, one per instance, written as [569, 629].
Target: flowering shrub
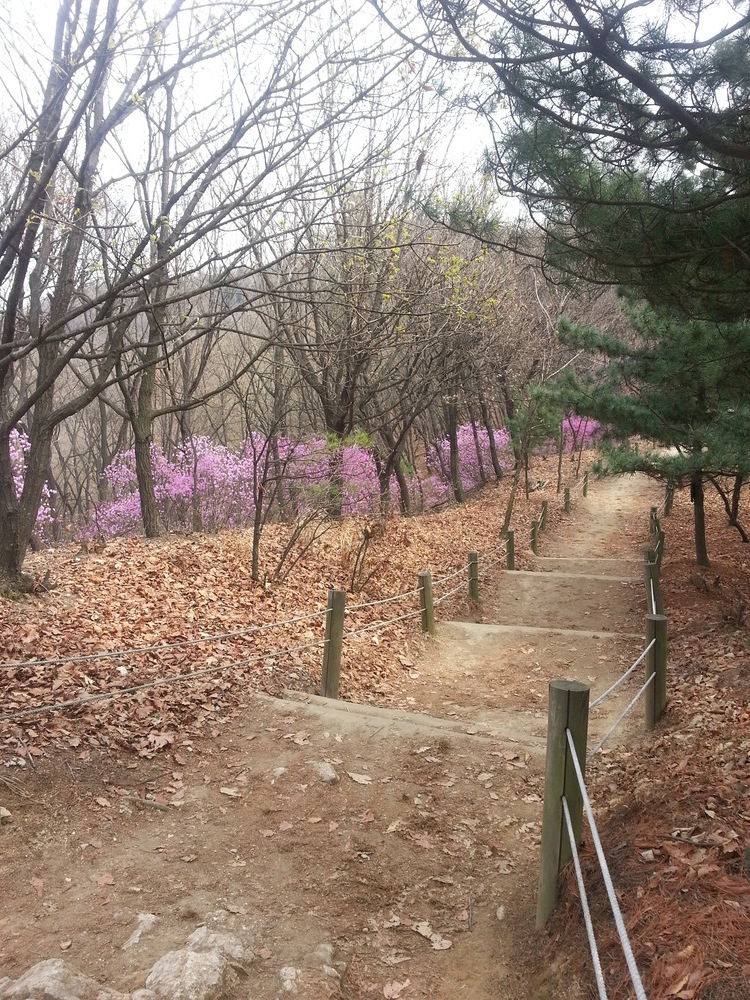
[469, 459]
[19, 449]
[579, 432]
[209, 486]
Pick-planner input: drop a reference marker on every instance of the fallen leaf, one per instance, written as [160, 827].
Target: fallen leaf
[439, 943]
[393, 990]
[231, 792]
[106, 878]
[361, 779]
[38, 886]
[64, 945]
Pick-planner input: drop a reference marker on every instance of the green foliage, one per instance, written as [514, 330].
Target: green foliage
[677, 401]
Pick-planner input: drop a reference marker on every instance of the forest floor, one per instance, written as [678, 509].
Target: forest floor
[417, 861]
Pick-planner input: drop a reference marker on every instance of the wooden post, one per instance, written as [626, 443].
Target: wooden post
[660, 665]
[329, 680]
[543, 515]
[510, 552]
[649, 696]
[535, 537]
[653, 523]
[425, 602]
[568, 709]
[659, 548]
[651, 568]
[669, 499]
[585, 483]
[473, 563]
[566, 504]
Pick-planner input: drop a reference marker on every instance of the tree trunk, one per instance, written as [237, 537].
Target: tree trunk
[145, 475]
[403, 488]
[512, 498]
[494, 458]
[11, 553]
[560, 451]
[451, 416]
[335, 499]
[699, 519]
[478, 449]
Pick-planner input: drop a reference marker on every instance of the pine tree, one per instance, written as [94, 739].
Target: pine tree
[676, 401]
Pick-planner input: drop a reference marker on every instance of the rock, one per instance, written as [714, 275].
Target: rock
[190, 975]
[143, 995]
[322, 955]
[54, 980]
[278, 772]
[232, 949]
[288, 976]
[324, 771]
[146, 923]
[500, 913]
[6, 816]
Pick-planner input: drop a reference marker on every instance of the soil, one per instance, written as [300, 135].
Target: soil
[435, 817]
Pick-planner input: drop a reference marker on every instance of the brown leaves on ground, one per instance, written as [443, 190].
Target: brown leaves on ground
[674, 812]
[137, 594]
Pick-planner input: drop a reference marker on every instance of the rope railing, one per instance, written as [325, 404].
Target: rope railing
[373, 626]
[449, 593]
[157, 647]
[449, 576]
[613, 687]
[383, 600]
[595, 960]
[158, 682]
[488, 566]
[639, 693]
[622, 933]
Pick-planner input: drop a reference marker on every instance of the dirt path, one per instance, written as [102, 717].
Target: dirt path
[381, 832]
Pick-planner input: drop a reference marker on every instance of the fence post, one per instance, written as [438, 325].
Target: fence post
[535, 537]
[543, 515]
[653, 521]
[510, 552]
[656, 663]
[566, 503]
[425, 602]
[568, 709]
[659, 549]
[585, 483]
[473, 563]
[651, 574]
[334, 641]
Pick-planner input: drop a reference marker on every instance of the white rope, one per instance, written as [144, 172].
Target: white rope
[176, 679]
[109, 654]
[600, 987]
[635, 976]
[502, 547]
[384, 600]
[485, 566]
[377, 625]
[450, 576]
[653, 596]
[449, 593]
[624, 677]
[609, 732]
